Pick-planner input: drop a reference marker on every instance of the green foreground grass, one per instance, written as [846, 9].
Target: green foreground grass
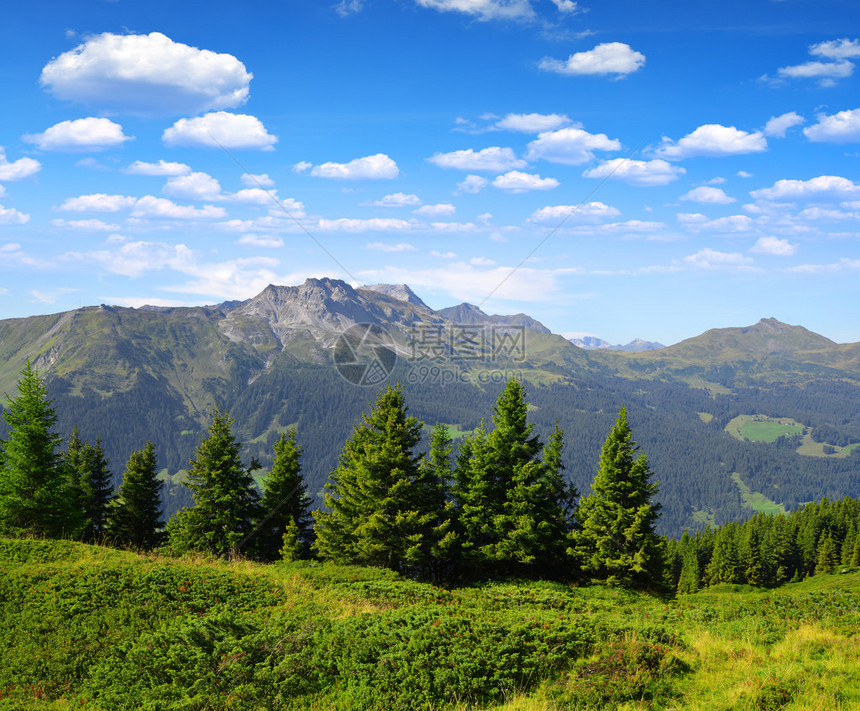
[85, 627]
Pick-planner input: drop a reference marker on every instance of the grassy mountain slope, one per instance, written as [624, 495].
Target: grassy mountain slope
[90, 628]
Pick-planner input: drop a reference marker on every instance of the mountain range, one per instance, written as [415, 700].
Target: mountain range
[289, 357]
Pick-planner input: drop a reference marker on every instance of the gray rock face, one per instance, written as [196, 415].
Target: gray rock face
[401, 292]
[471, 315]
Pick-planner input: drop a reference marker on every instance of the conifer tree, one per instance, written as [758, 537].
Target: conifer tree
[616, 541]
[688, 581]
[828, 556]
[725, 565]
[225, 497]
[755, 571]
[35, 498]
[135, 518]
[90, 479]
[284, 504]
[375, 511]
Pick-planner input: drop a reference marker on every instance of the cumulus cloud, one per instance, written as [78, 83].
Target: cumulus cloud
[11, 216]
[484, 9]
[397, 200]
[566, 6]
[86, 225]
[494, 158]
[379, 224]
[589, 212]
[637, 172]
[375, 167]
[711, 259]
[220, 127]
[826, 72]
[713, 140]
[254, 196]
[97, 202]
[842, 127]
[532, 123]
[472, 184]
[709, 195]
[194, 186]
[163, 167]
[607, 58]
[516, 181]
[441, 210]
[731, 224]
[570, 146]
[778, 125]
[823, 187]
[161, 208]
[147, 74]
[774, 246]
[266, 241]
[837, 49]
[86, 134]
[382, 247]
[262, 180]
[19, 169]
[345, 8]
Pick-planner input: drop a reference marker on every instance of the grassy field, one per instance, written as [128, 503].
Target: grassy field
[756, 501]
[758, 428]
[84, 627]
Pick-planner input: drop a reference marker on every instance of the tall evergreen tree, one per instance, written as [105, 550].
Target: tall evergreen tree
[135, 517]
[725, 565]
[90, 479]
[688, 581]
[35, 497]
[284, 505]
[375, 511]
[616, 539]
[224, 493]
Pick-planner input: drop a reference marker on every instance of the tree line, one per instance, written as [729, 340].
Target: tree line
[499, 507]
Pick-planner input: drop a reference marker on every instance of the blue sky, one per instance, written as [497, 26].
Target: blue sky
[623, 169]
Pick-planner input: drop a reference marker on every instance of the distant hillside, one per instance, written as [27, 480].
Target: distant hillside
[637, 345]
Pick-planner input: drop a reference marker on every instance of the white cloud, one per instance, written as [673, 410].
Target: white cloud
[825, 71]
[837, 49]
[744, 174]
[607, 58]
[458, 227]
[590, 212]
[637, 172]
[86, 225]
[261, 180]
[397, 200]
[440, 210]
[86, 134]
[778, 125]
[842, 127]
[443, 255]
[691, 218]
[19, 169]
[147, 74]
[140, 167]
[532, 123]
[472, 184]
[774, 246]
[493, 159]
[345, 8]
[484, 9]
[570, 146]
[380, 224]
[822, 187]
[711, 259]
[732, 224]
[253, 196]
[97, 202]
[267, 241]
[516, 181]
[566, 6]
[2, 191]
[194, 186]
[11, 216]
[382, 247]
[708, 195]
[302, 167]
[220, 127]
[713, 140]
[375, 167]
[161, 208]
[841, 265]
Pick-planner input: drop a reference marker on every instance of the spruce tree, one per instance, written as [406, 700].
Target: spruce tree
[284, 504]
[89, 478]
[135, 518]
[688, 581]
[225, 497]
[616, 541]
[725, 565]
[828, 556]
[35, 498]
[374, 512]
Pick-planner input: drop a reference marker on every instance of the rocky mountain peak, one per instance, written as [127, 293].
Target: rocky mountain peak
[401, 292]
